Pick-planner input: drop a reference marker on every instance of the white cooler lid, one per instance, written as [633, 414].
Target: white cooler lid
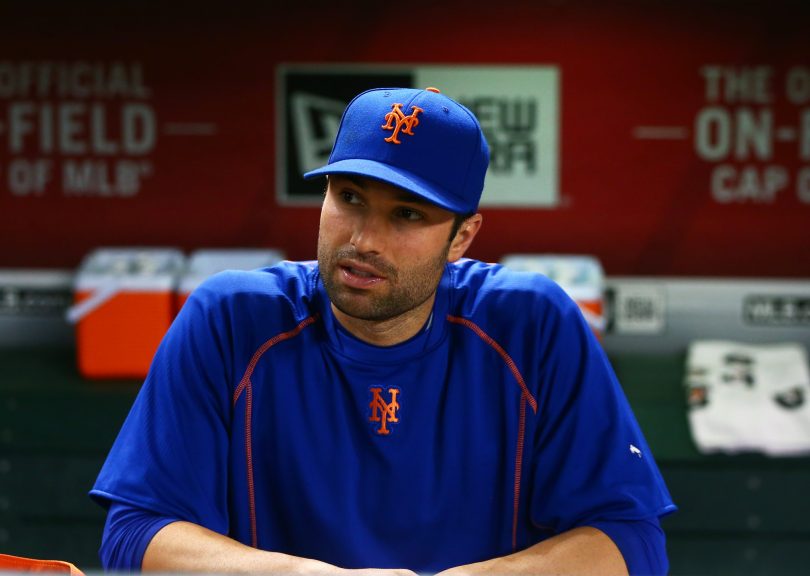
[206, 262]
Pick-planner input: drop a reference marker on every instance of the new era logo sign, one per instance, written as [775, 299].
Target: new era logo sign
[315, 122]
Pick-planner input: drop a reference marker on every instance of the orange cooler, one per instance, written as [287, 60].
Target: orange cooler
[123, 305]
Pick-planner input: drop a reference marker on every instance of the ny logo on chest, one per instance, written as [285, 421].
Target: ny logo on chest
[384, 408]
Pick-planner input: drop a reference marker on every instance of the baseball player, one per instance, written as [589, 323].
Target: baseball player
[392, 407]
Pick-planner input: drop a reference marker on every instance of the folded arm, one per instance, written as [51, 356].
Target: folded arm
[136, 540]
[583, 550]
[607, 547]
[187, 547]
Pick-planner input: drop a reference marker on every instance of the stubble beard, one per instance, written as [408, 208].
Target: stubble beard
[407, 290]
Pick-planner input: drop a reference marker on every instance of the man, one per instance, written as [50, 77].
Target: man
[392, 408]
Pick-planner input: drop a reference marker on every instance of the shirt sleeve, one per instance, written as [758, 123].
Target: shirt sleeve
[591, 461]
[642, 544]
[169, 455]
[127, 533]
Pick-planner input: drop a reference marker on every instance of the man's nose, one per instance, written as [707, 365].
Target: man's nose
[369, 234]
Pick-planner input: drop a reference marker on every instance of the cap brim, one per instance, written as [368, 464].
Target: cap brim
[396, 176]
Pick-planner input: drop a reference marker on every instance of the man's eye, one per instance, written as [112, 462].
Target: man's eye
[350, 197]
[409, 214]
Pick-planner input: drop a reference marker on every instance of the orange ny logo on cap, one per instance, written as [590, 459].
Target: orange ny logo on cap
[398, 122]
[382, 411]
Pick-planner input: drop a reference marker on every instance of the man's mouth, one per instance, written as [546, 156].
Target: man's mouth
[359, 276]
[358, 272]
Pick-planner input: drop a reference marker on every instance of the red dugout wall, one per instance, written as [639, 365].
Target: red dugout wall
[683, 128]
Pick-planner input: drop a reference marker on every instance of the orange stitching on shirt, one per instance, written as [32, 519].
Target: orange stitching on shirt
[249, 463]
[264, 348]
[246, 386]
[497, 347]
[518, 468]
[525, 396]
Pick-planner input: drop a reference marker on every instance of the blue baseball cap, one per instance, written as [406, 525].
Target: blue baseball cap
[419, 140]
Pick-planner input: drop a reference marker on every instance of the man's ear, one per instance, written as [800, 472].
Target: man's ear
[464, 237]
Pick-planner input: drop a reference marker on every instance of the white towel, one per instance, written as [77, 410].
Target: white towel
[749, 397]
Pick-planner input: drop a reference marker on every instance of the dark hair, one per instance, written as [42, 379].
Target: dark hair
[457, 222]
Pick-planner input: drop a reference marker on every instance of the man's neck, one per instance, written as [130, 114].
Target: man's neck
[391, 331]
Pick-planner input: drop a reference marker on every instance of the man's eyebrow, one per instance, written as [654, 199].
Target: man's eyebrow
[402, 196]
[412, 199]
[357, 181]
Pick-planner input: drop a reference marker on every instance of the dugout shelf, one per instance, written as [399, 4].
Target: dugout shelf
[738, 514]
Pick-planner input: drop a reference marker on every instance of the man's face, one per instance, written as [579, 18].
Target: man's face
[381, 250]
